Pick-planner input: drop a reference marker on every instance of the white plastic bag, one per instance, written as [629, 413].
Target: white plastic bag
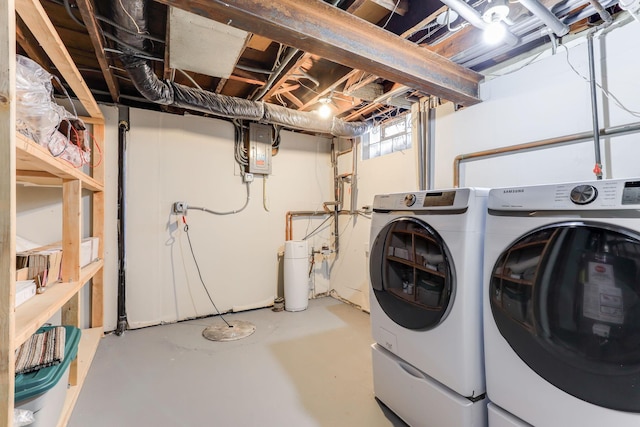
[37, 114]
[22, 417]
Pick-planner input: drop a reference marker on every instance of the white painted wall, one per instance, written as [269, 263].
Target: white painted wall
[546, 99]
[173, 158]
[392, 173]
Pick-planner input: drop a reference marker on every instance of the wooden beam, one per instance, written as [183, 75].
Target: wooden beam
[457, 42]
[321, 29]
[396, 6]
[304, 59]
[98, 209]
[359, 114]
[93, 28]
[30, 45]
[359, 8]
[360, 84]
[221, 85]
[284, 89]
[360, 76]
[169, 73]
[423, 23]
[328, 89]
[292, 98]
[246, 80]
[71, 237]
[259, 43]
[7, 209]
[34, 15]
[374, 10]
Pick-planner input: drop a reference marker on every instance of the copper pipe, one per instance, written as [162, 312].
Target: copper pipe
[560, 140]
[291, 214]
[289, 220]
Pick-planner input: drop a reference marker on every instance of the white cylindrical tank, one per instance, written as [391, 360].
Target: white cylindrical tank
[296, 279]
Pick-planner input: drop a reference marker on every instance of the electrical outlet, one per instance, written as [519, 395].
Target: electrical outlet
[180, 208]
[248, 177]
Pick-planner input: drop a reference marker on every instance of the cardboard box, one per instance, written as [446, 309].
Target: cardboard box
[89, 250]
[21, 274]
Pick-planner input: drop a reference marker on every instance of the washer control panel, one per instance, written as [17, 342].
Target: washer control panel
[583, 194]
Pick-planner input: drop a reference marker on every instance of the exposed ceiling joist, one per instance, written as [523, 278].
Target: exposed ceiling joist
[33, 14]
[319, 28]
[88, 16]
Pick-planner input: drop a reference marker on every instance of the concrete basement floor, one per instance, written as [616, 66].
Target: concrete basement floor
[309, 368]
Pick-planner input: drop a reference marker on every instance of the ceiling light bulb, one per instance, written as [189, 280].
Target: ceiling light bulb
[324, 111]
[494, 33]
[496, 10]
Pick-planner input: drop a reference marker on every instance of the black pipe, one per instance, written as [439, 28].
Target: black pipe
[123, 128]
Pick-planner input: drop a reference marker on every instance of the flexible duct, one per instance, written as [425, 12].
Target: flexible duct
[171, 93]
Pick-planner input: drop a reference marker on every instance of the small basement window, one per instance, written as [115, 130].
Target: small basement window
[388, 137]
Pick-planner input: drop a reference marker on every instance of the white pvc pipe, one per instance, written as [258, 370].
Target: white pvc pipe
[473, 17]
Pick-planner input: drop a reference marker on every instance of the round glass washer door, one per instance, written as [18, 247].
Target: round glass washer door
[566, 298]
[412, 275]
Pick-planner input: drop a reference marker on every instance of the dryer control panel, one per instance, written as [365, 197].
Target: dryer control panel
[593, 195]
[453, 199]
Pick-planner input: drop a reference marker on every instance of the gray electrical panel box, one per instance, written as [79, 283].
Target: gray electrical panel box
[259, 151]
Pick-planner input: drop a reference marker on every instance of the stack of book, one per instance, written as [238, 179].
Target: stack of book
[43, 265]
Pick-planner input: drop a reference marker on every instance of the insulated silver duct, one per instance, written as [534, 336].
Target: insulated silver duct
[171, 93]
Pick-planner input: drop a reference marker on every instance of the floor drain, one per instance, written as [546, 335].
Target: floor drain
[237, 330]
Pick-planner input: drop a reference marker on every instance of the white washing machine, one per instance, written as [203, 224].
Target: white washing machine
[562, 304]
[426, 305]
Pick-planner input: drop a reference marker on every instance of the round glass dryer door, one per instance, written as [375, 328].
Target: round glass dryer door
[566, 298]
[411, 274]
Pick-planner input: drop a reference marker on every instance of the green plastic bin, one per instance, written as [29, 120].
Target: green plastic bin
[43, 392]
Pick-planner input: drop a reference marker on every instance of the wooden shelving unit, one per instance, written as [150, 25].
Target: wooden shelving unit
[23, 161]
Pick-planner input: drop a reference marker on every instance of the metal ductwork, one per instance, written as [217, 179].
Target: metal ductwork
[174, 94]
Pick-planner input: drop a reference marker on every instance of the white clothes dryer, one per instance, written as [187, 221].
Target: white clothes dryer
[562, 303]
[426, 303]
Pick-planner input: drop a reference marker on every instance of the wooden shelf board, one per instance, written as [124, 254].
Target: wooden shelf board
[410, 298]
[413, 264]
[32, 157]
[514, 280]
[86, 350]
[35, 312]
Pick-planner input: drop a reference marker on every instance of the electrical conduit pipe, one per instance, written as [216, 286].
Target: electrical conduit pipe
[560, 140]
